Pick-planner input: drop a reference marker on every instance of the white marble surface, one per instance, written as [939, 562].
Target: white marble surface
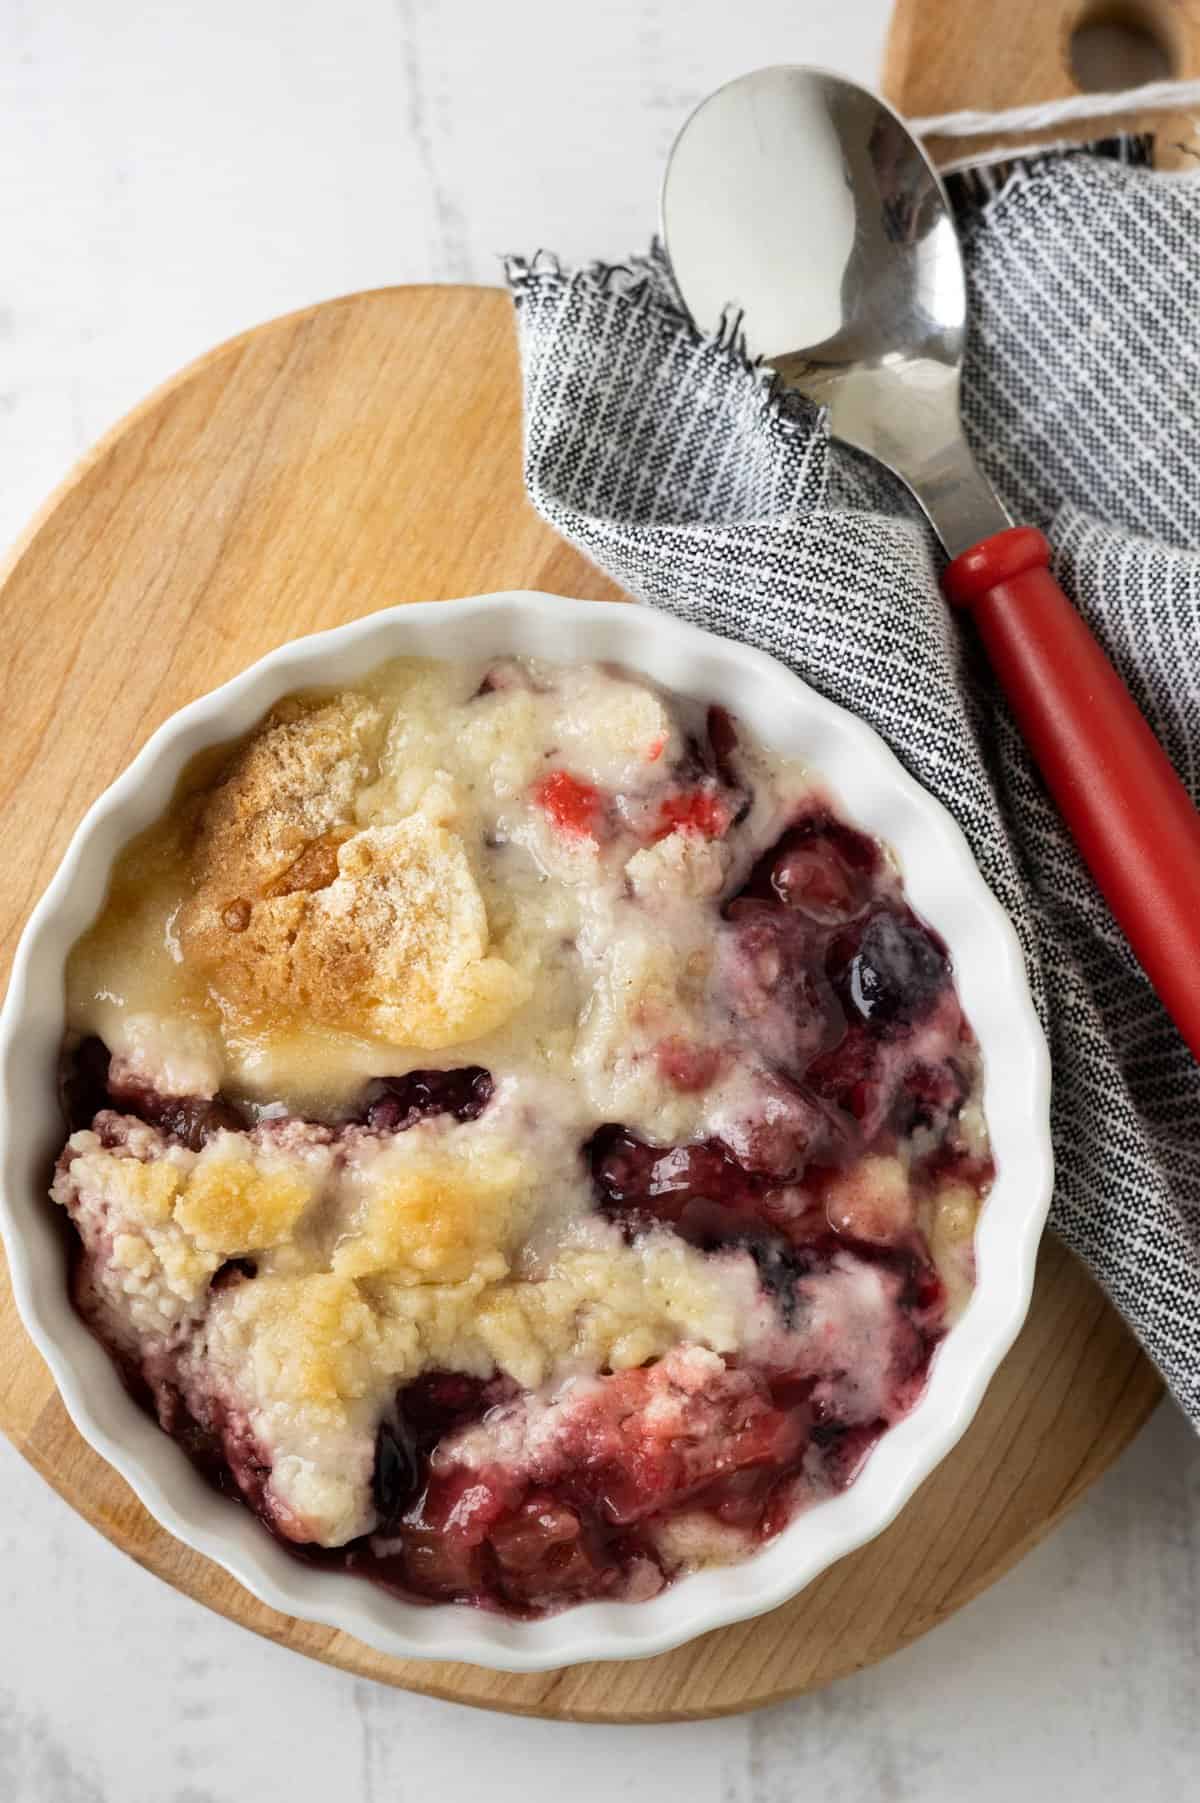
[172, 173]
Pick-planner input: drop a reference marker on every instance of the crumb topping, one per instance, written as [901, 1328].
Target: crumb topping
[234, 1204]
[437, 1212]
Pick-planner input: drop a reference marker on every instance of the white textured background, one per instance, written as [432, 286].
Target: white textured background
[170, 173]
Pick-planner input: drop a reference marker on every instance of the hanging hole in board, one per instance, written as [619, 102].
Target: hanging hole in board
[1115, 47]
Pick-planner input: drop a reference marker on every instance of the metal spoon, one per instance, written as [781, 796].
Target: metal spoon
[805, 201]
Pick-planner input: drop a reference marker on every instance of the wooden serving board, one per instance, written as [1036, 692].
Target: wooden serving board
[366, 452]
[357, 454]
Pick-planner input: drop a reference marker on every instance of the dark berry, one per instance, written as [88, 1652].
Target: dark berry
[662, 1181]
[892, 977]
[812, 877]
[232, 1272]
[825, 840]
[394, 1104]
[426, 1410]
[396, 1482]
[701, 1190]
[438, 1402]
[83, 1083]
[193, 1119]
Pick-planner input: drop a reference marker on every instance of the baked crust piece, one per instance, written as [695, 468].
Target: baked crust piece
[296, 914]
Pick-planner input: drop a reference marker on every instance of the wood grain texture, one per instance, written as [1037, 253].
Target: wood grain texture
[361, 453]
[946, 55]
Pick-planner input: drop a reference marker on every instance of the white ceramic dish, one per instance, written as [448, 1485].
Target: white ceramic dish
[943, 884]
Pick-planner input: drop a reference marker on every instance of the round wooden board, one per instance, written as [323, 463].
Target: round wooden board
[361, 453]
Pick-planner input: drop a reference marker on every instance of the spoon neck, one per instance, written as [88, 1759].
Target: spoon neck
[960, 502]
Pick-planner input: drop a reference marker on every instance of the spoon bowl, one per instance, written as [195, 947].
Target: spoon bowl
[805, 201]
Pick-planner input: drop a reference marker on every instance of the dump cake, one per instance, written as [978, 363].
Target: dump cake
[522, 1141]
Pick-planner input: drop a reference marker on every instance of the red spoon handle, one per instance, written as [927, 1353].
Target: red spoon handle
[1131, 817]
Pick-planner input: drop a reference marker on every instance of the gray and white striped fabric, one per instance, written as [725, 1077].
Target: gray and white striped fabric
[679, 468]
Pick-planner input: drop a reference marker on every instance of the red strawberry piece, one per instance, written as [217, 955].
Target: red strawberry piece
[576, 808]
[693, 811]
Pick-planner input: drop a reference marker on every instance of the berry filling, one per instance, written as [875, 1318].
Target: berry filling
[396, 1103]
[828, 983]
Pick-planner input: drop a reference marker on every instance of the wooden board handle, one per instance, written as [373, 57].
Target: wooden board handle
[986, 55]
